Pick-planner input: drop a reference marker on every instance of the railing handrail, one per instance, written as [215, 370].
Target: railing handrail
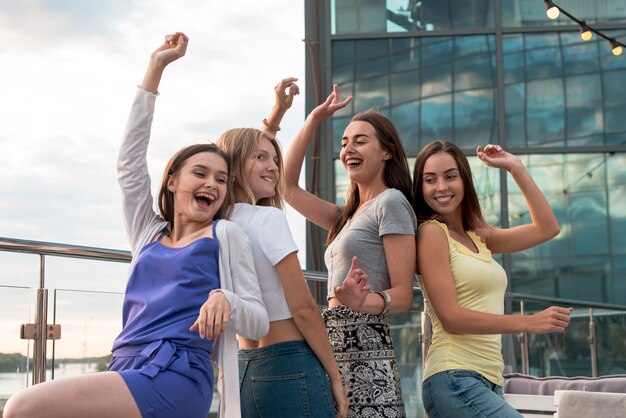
[63, 250]
[565, 302]
[106, 254]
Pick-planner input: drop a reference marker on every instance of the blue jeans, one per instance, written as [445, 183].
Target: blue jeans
[284, 380]
[464, 393]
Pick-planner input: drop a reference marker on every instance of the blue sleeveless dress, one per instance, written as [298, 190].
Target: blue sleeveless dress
[167, 367]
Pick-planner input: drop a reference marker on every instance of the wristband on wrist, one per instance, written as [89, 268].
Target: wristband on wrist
[270, 127]
[387, 300]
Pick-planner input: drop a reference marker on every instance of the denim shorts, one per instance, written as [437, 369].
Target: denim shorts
[284, 380]
[464, 394]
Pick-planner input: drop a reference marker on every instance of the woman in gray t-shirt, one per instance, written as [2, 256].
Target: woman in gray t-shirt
[374, 230]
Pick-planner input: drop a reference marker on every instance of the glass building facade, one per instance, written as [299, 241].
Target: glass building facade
[500, 72]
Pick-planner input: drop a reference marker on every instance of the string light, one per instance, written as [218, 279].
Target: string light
[553, 11]
[585, 33]
[616, 48]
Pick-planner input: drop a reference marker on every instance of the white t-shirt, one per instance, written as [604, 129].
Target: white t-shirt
[271, 241]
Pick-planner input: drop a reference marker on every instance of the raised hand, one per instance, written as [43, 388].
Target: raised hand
[173, 47]
[552, 319]
[354, 289]
[330, 106]
[495, 156]
[285, 91]
[213, 317]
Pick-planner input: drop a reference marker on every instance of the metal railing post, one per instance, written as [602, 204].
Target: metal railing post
[592, 345]
[41, 322]
[522, 338]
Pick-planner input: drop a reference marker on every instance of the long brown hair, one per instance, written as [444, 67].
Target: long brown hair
[172, 169]
[470, 206]
[241, 144]
[396, 173]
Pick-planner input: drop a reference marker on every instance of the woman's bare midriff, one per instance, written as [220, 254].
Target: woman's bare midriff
[280, 332]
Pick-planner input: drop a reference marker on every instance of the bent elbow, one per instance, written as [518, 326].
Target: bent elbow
[449, 324]
[555, 230]
[402, 305]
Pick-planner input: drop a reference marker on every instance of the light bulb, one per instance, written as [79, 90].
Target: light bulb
[617, 50]
[585, 32]
[552, 11]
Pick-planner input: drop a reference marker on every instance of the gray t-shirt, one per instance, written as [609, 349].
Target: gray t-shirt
[362, 235]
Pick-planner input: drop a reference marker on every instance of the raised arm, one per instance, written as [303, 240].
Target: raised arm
[543, 226]
[316, 210]
[174, 47]
[432, 251]
[140, 219]
[284, 93]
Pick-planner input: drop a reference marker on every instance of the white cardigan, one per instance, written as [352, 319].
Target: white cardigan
[238, 280]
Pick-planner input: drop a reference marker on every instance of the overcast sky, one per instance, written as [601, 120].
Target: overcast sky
[68, 71]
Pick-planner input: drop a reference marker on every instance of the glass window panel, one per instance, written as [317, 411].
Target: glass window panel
[618, 295]
[514, 67]
[487, 184]
[359, 16]
[372, 58]
[371, 93]
[544, 63]
[436, 79]
[405, 54]
[435, 117]
[529, 12]
[608, 60]
[588, 217]
[341, 182]
[545, 121]
[616, 173]
[405, 86]
[338, 127]
[15, 310]
[343, 52]
[584, 105]
[615, 100]
[514, 104]
[474, 66]
[90, 321]
[406, 118]
[436, 50]
[475, 118]
[580, 57]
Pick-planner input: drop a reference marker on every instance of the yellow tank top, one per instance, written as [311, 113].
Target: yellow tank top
[480, 285]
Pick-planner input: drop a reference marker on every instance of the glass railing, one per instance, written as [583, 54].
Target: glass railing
[80, 289]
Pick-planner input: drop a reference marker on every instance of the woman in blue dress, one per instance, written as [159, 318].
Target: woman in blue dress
[183, 292]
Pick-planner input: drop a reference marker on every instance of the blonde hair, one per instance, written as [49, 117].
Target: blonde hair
[241, 144]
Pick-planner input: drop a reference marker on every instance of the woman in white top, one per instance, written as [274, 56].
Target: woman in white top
[287, 372]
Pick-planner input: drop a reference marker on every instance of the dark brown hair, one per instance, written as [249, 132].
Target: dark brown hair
[396, 173]
[471, 213]
[172, 169]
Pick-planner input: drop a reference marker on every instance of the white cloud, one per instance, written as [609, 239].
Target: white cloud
[69, 70]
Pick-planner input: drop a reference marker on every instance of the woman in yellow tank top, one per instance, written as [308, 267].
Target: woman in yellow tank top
[464, 286]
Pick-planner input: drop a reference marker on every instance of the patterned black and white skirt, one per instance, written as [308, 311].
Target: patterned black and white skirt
[367, 363]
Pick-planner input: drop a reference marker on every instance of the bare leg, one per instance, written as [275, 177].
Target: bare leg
[97, 395]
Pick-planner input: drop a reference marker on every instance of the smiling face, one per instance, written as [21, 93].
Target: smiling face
[199, 188]
[362, 154]
[442, 185]
[262, 170]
